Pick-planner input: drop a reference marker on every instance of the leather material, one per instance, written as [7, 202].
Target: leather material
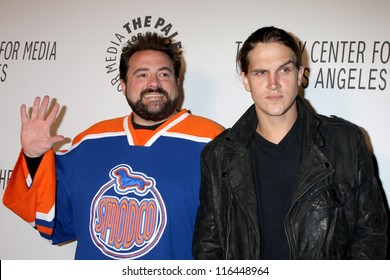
[337, 210]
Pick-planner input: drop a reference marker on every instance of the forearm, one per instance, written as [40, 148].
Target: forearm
[26, 197]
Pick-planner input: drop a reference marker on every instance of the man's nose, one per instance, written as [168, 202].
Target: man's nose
[273, 82]
[154, 81]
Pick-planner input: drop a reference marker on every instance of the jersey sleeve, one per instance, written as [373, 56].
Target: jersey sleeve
[33, 201]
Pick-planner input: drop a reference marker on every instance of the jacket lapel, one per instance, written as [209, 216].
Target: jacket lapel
[239, 165]
[314, 166]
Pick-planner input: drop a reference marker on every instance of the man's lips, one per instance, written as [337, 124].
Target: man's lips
[150, 95]
[274, 97]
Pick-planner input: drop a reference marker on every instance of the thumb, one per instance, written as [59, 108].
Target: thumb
[56, 139]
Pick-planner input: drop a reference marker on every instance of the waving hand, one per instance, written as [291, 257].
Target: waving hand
[35, 135]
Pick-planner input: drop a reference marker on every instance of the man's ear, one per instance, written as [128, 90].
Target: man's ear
[245, 81]
[300, 75]
[123, 87]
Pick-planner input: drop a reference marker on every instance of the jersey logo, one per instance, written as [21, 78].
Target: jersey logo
[128, 181]
[128, 215]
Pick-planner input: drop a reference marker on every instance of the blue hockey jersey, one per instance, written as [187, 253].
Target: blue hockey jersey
[120, 193]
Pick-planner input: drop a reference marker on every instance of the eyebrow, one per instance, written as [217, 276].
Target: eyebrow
[286, 63]
[147, 69]
[281, 66]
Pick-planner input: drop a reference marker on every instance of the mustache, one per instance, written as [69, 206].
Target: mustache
[156, 89]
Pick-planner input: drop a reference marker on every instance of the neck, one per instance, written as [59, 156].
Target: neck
[142, 122]
[275, 128]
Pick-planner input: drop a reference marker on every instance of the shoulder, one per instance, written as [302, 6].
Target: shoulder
[199, 120]
[337, 123]
[115, 125]
[198, 126]
[342, 132]
[218, 144]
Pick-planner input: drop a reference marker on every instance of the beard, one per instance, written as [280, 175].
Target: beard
[155, 110]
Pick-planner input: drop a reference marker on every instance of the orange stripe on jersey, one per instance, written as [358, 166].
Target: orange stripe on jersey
[106, 126]
[190, 125]
[198, 126]
[45, 230]
[141, 136]
[40, 197]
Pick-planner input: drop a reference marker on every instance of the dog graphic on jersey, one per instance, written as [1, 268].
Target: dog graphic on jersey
[128, 214]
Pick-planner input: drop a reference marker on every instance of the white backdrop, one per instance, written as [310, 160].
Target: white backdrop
[68, 50]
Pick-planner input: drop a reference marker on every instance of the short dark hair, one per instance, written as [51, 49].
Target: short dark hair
[268, 34]
[150, 41]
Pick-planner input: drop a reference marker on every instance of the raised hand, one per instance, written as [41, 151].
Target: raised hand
[35, 135]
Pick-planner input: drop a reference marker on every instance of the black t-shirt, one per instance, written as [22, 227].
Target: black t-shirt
[275, 168]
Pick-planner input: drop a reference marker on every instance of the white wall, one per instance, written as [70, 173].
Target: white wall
[80, 40]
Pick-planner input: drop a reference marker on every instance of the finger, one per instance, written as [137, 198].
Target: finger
[23, 113]
[43, 109]
[35, 108]
[53, 113]
[55, 139]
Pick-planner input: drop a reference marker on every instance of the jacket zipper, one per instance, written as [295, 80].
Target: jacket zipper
[228, 226]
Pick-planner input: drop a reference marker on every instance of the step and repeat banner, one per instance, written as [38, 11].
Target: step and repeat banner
[70, 51]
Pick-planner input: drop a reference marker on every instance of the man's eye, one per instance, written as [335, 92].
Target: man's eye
[165, 75]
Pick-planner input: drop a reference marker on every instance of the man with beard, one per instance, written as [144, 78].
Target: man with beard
[128, 187]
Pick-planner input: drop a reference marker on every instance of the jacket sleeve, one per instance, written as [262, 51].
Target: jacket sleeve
[206, 243]
[33, 200]
[370, 236]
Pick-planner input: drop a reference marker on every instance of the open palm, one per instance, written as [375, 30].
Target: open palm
[35, 134]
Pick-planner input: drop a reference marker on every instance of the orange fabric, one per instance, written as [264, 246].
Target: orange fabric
[142, 136]
[40, 197]
[193, 126]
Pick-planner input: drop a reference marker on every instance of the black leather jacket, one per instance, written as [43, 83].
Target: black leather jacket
[337, 210]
